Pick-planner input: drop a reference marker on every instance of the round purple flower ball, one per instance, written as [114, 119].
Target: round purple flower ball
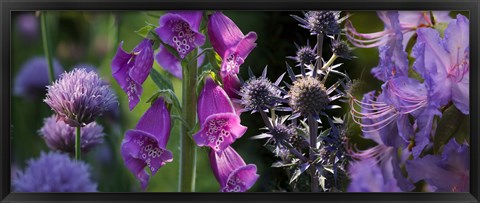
[79, 97]
[60, 136]
[32, 79]
[54, 172]
[28, 25]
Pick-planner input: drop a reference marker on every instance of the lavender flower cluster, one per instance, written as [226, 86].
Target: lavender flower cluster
[78, 98]
[403, 117]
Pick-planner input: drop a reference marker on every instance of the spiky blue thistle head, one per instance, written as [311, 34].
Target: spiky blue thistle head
[321, 22]
[341, 49]
[79, 97]
[308, 95]
[258, 93]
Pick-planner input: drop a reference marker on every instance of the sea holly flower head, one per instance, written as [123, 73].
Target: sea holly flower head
[231, 171]
[130, 70]
[321, 22]
[145, 146]
[32, 79]
[258, 93]
[54, 172]
[444, 63]
[448, 172]
[79, 97]
[220, 125]
[180, 30]
[305, 54]
[341, 49]
[308, 95]
[60, 136]
[409, 21]
[229, 42]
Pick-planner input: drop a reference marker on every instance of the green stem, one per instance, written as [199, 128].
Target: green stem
[189, 109]
[78, 144]
[47, 48]
[326, 65]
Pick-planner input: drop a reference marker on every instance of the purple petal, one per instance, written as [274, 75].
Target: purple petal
[213, 99]
[229, 42]
[457, 38]
[241, 179]
[143, 54]
[448, 173]
[121, 66]
[460, 94]
[231, 85]
[423, 136]
[219, 131]
[169, 62]
[141, 149]
[180, 30]
[366, 176]
[231, 171]
[156, 121]
[432, 61]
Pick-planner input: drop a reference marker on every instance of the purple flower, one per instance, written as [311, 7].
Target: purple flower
[448, 172]
[32, 79]
[54, 172]
[180, 30]
[28, 25]
[409, 21]
[146, 145]
[231, 171]
[366, 176]
[444, 63]
[60, 136]
[234, 47]
[130, 70]
[171, 63]
[79, 97]
[220, 125]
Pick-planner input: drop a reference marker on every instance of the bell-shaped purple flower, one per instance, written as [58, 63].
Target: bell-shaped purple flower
[145, 146]
[54, 172]
[448, 172]
[130, 70]
[231, 171]
[220, 125]
[171, 63]
[60, 136]
[444, 63]
[32, 79]
[230, 43]
[409, 21]
[79, 97]
[180, 30]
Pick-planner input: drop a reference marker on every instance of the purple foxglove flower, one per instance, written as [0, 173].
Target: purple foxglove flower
[448, 172]
[32, 79]
[79, 97]
[60, 136]
[409, 22]
[171, 63]
[444, 63]
[220, 125]
[231, 171]
[146, 145]
[28, 25]
[230, 43]
[54, 172]
[130, 70]
[180, 30]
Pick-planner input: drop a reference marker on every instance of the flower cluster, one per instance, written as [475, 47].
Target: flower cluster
[402, 118]
[297, 138]
[54, 172]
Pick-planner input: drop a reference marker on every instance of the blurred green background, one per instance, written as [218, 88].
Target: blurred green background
[93, 37]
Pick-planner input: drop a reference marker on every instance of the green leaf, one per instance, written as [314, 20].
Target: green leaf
[144, 31]
[168, 96]
[450, 126]
[441, 27]
[160, 80]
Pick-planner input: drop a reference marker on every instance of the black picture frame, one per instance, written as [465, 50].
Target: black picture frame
[7, 6]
